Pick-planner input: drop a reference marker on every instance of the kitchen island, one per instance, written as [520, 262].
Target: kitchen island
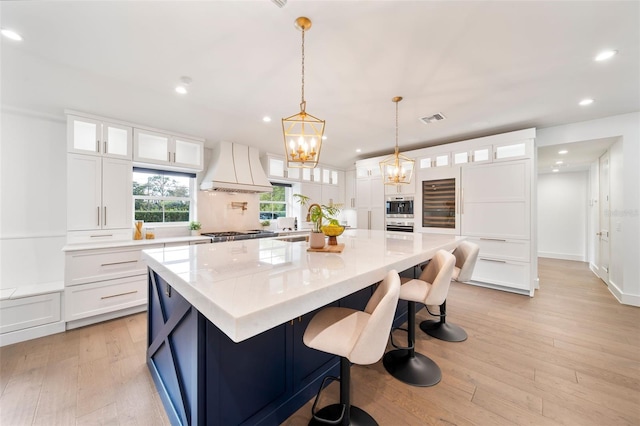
[226, 320]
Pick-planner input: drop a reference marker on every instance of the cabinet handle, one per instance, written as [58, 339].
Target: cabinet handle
[462, 201]
[494, 239]
[119, 294]
[493, 260]
[119, 263]
[104, 147]
[369, 219]
[98, 208]
[105, 216]
[174, 157]
[168, 156]
[98, 146]
[353, 202]
[100, 236]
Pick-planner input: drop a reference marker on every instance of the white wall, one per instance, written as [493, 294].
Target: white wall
[625, 242]
[32, 198]
[562, 215]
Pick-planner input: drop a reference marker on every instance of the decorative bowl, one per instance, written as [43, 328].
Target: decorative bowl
[332, 231]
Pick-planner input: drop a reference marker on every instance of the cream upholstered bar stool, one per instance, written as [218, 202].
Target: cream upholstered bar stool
[357, 337]
[466, 256]
[404, 363]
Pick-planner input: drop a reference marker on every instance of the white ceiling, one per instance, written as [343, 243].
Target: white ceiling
[579, 155]
[489, 67]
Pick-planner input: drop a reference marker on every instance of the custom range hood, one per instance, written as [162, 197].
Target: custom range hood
[235, 168]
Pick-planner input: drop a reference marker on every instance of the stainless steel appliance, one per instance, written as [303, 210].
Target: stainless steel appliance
[219, 237]
[400, 226]
[399, 207]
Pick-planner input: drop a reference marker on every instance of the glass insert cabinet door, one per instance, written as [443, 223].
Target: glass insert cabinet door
[439, 203]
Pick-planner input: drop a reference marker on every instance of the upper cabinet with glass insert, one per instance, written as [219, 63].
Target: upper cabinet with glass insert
[96, 137]
[172, 152]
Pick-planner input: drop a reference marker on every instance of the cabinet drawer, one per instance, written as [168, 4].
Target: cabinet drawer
[502, 272]
[25, 312]
[87, 300]
[503, 248]
[99, 236]
[89, 266]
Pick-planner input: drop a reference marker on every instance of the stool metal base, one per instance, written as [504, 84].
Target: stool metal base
[416, 370]
[444, 331]
[357, 416]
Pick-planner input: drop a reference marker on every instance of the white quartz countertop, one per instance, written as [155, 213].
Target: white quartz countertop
[248, 287]
[134, 243]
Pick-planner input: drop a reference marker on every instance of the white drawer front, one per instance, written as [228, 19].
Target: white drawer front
[89, 266]
[99, 236]
[25, 312]
[98, 298]
[502, 272]
[503, 249]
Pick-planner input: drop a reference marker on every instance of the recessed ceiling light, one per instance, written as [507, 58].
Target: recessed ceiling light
[181, 89]
[556, 170]
[358, 150]
[11, 34]
[559, 162]
[562, 151]
[585, 102]
[604, 55]
[266, 119]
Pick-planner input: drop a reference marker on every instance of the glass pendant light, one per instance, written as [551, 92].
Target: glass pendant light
[398, 168]
[302, 131]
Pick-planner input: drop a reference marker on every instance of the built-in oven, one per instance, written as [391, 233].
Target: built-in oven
[399, 226]
[399, 207]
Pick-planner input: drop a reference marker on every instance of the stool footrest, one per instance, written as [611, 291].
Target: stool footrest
[315, 404]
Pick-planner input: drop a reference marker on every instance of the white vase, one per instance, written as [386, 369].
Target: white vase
[195, 232]
[316, 240]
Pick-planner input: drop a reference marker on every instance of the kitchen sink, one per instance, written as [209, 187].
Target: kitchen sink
[294, 238]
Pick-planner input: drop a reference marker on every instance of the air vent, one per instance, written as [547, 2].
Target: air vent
[433, 118]
[279, 3]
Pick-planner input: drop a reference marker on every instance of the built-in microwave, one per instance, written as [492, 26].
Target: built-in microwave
[399, 207]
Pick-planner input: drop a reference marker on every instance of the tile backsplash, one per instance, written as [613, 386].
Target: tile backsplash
[219, 211]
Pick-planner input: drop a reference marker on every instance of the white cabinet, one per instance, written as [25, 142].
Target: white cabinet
[98, 193]
[312, 175]
[507, 151]
[276, 168]
[350, 189]
[96, 137]
[370, 203]
[496, 200]
[174, 152]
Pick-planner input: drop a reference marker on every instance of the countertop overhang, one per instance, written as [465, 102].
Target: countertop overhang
[248, 287]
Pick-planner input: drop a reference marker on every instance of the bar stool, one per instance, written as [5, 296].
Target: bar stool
[466, 256]
[404, 363]
[358, 337]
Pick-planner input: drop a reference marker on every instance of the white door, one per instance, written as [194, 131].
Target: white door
[117, 193]
[84, 203]
[604, 213]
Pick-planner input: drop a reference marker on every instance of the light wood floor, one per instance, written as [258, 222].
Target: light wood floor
[568, 356]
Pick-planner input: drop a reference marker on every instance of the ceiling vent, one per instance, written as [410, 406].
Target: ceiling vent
[433, 118]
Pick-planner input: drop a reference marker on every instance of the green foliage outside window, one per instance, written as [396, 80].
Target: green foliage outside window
[273, 204]
[161, 198]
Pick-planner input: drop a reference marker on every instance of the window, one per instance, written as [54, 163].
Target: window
[162, 196]
[274, 204]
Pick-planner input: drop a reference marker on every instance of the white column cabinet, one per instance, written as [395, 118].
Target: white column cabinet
[370, 203]
[96, 137]
[99, 193]
[167, 150]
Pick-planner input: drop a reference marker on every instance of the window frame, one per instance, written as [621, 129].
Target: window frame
[192, 199]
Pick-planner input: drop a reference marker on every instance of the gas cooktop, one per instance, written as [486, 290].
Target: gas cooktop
[218, 237]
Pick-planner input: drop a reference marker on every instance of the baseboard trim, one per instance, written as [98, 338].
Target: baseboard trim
[31, 333]
[105, 317]
[562, 256]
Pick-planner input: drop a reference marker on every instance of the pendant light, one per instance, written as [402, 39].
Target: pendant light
[302, 131]
[398, 168]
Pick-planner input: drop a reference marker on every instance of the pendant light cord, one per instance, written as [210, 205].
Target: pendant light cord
[302, 102]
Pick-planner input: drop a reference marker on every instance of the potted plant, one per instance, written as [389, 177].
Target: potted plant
[265, 223]
[322, 218]
[195, 226]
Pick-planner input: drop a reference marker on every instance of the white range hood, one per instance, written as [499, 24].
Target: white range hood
[235, 168]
